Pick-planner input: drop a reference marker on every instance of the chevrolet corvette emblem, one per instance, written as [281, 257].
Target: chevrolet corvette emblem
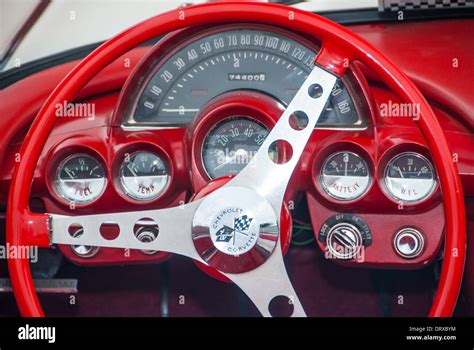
[234, 232]
[241, 224]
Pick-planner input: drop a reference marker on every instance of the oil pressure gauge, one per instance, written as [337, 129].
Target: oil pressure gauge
[144, 176]
[410, 177]
[80, 178]
[345, 176]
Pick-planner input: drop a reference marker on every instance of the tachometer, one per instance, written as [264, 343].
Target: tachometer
[345, 176]
[230, 146]
[410, 177]
[207, 66]
[80, 179]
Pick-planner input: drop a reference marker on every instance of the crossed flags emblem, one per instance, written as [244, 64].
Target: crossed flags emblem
[241, 224]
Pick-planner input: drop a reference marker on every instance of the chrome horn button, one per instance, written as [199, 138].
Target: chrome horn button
[234, 231]
[238, 235]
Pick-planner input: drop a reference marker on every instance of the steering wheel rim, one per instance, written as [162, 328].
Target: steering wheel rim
[339, 46]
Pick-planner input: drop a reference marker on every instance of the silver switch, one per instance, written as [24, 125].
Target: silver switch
[408, 243]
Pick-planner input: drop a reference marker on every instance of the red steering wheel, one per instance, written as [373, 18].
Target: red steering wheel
[339, 47]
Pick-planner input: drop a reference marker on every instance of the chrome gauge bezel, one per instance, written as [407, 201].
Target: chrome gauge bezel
[60, 192]
[394, 196]
[215, 127]
[130, 193]
[324, 186]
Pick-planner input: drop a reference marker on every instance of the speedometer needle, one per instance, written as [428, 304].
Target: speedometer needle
[227, 161]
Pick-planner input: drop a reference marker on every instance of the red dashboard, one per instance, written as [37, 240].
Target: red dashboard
[373, 144]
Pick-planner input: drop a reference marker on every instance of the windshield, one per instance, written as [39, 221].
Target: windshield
[61, 25]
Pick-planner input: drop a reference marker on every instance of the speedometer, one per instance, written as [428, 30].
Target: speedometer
[227, 59]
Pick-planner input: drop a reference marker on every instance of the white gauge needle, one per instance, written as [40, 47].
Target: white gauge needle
[131, 170]
[69, 172]
[400, 171]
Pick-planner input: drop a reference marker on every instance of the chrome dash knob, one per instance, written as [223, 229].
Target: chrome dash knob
[344, 241]
[408, 243]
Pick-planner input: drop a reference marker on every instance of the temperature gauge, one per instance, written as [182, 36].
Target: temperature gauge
[410, 177]
[144, 176]
[345, 176]
[80, 179]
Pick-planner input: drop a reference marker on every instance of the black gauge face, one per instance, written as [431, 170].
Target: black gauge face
[345, 176]
[144, 176]
[230, 146]
[80, 179]
[233, 60]
[409, 177]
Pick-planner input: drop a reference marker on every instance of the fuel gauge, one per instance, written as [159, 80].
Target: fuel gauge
[80, 178]
[345, 176]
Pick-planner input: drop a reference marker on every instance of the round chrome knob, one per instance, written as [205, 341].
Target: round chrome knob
[408, 243]
[147, 235]
[83, 251]
[344, 241]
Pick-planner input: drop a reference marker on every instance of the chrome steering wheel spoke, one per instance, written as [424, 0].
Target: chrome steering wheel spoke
[174, 230]
[268, 281]
[270, 177]
[236, 228]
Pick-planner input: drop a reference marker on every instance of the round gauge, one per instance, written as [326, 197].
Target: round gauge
[410, 177]
[345, 176]
[230, 146]
[80, 178]
[144, 176]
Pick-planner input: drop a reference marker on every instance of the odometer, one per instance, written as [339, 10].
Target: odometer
[207, 66]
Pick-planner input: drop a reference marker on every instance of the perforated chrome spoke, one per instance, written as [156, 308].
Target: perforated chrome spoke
[236, 228]
[174, 230]
[267, 282]
[289, 136]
